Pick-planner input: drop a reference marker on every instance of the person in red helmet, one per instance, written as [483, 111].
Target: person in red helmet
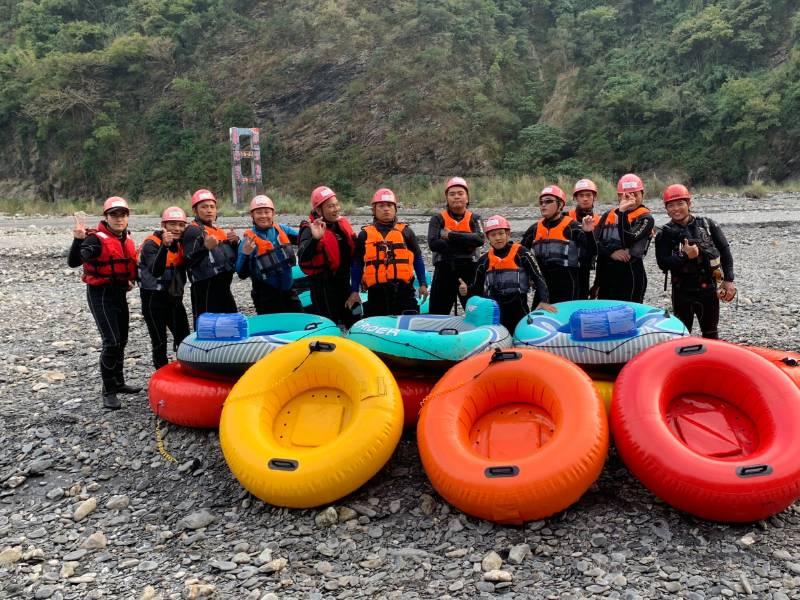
[266, 256]
[585, 194]
[385, 261]
[696, 253]
[108, 256]
[559, 244]
[623, 238]
[455, 237]
[505, 274]
[210, 254]
[325, 250]
[162, 278]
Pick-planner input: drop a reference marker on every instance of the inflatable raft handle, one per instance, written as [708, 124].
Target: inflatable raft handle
[504, 471]
[448, 331]
[313, 325]
[283, 464]
[690, 350]
[319, 346]
[501, 356]
[754, 470]
[790, 361]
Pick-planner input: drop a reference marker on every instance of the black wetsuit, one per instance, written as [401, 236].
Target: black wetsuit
[694, 281]
[210, 271]
[618, 280]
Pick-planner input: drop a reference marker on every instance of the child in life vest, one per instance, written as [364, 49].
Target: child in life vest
[506, 273]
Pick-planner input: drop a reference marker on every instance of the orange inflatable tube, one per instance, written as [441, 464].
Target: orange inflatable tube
[513, 436]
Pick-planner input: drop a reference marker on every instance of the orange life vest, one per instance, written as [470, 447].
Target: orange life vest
[552, 247]
[270, 258]
[504, 276]
[116, 263]
[608, 234]
[387, 258]
[221, 259]
[463, 225]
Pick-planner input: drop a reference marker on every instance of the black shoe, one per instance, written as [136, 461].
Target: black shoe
[111, 401]
[128, 389]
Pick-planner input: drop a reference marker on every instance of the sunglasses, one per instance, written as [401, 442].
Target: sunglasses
[546, 202]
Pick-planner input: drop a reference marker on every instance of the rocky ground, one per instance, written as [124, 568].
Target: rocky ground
[90, 509]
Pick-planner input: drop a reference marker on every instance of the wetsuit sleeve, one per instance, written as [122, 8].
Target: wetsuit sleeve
[410, 239]
[154, 257]
[640, 229]
[468, 241]
[306, 245]
[435, 241]
[475, 287]
[529, 236]
[291, 233]
[357, 264]
[579, 236]
[725, 256]
[666, 257]
[527, 262]
[87, 249]
[194, 250]
[243, 263]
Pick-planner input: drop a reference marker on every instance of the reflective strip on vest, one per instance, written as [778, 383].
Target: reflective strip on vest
[504, 276]
[552, 248]
[387, 258]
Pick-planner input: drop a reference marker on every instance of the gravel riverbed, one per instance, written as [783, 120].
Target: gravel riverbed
[90, 509]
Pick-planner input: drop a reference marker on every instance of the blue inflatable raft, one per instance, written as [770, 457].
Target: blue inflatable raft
[433, 342]
[598, 333]
[231, 343]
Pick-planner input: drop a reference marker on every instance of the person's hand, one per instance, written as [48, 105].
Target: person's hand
[167, 238]
[130, 285]
[210, 242]
[546, 306]
[423, 292]
[232, 236]
[462, 287]
[690, 250]
[353, 299]
[318, 228]
[445, 233]
[727, 291]
[621, 255]
[249, 245]
[79, 229]
[587, 223]
[628, 202]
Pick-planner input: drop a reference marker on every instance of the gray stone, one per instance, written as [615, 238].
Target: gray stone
[491, 562]
[197, 520]
[327, 517]
[518, 553]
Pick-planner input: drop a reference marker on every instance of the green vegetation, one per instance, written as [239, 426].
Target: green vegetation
[136, 97]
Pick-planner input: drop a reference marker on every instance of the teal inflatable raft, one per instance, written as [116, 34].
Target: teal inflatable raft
[231, 343]
[598, 334]
[433, 342]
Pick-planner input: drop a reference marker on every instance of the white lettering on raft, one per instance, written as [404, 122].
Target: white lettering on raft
[377, 330]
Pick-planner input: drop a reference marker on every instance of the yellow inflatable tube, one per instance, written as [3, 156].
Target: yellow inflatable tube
[311, 422]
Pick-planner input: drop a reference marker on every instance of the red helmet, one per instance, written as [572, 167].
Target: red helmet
[173, 213]
[384, 195]
[202, 195]
[584, 185]
[115, 202]
[495, 222]
[629, 183]
[456, 182]
[320, 195]
[676, 191]
[554, 190]
[261, 201]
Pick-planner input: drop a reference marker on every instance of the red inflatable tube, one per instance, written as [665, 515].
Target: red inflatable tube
[183, 397]
[711, 428]
[788, 362]
[414, 388]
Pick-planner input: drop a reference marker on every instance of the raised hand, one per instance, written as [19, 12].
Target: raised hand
[462, 287]
[232, 236]
[689, 249]
[318, 228]
[210, 242]
[249, 245]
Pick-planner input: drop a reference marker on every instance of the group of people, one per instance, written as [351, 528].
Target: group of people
[553, 261]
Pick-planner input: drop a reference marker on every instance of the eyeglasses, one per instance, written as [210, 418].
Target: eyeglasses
[546, 201]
